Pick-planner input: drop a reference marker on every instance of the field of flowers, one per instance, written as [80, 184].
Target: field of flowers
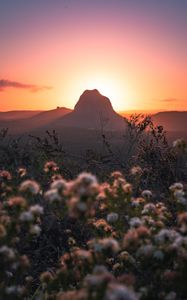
[89, 240]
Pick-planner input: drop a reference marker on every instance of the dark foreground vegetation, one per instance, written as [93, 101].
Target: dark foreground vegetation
[115, 235]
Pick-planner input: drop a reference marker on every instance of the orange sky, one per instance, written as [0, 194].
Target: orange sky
[133, 55]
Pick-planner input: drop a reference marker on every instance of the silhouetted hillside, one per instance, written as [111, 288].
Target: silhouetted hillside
[92, 111]
[174, 121]
[18, 114]
[25, 125]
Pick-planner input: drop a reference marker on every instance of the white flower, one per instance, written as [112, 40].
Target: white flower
[171, 296]
[26, 216]
[36, 209]
[87, 178]
[119, 292]
[59, 184]
[166, 235]
[149, 208]
[52, 195]
[135, 222]
[35, 230]
[7, 252]
[176, 186]
[112, 217]
[147, 194]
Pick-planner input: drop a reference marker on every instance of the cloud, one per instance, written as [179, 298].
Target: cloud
[6, 84]
[169, 100]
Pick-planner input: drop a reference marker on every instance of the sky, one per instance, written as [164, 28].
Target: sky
[132, 51]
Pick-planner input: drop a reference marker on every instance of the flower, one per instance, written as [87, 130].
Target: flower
[7, 252]
[136, 171]
[135, 222]
[52, 195]
[6, 175]
[36, 210]
[59, 184]
[177, 186]
[147, 194]
[117, 291]
[112, 217]
[50, 166]
[35, 230]
[16, 201]
[30, 186]
[22, 172]
[26, 216]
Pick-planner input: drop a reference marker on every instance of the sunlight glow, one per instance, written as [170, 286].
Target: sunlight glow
[112, 88]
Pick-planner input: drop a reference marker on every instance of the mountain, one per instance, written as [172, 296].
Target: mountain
[173, 121]
[27, 124]
[92, 111]
[18, 114]
[49, 116]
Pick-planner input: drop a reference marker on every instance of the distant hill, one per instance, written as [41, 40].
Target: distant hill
[92, 111]
[35, 121]
[173, 121]
[18, 114]
[49, 116]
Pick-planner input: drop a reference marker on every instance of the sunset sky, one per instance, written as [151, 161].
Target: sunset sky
[132, 51]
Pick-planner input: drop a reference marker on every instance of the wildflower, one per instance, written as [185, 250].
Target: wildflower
[145, 250]
[6, 175]
[178, 186]
[149, 208]
[116, 175]
[166, 235]
[147, 194]
[127, 188]
[117, 291]
[7, 252]
[102, 224]
[83, 255]
[26, 216]
[171, 296]
[130, 238]
[30, 186]
[35, 230]
[50, 166]
[36, 210]
[14, 290]
[112, 217]
[59, 184]
[107, 244]
[100, 277]
[135, 222]
[136, 171]
[22, 172]
[17, 201]
[52, 195]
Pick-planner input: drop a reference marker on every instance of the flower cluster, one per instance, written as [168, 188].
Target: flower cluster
[81, 239]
